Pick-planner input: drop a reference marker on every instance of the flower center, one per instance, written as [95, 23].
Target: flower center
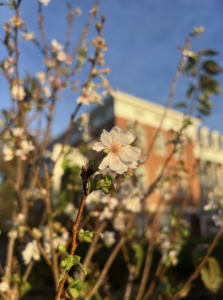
[116, 149]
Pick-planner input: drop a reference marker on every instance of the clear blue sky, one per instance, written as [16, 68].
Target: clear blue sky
[143, 38]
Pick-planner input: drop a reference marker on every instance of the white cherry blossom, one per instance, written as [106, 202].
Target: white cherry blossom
[4, 286]
[26, 147]
[121, 156]
[111, 201]
[18, 92]
[105, 214]
[18, 131]
[133, 204]
[61, 56]
[89, 96]
[31, 252]
[28, 36]
[56, 46]
[8, 153]
[119, 221]
[41, 76]
[45, 2]
[109, 238]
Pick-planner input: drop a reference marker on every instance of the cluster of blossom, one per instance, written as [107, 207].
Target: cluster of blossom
[60, 236]
[215, 204]
[171, 239]
[169, 250]
[16, 144]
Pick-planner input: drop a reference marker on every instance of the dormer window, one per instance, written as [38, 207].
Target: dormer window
[204, 137]
[160, 145]
[215, 139]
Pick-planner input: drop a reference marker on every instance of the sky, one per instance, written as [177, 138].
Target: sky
[143, 38]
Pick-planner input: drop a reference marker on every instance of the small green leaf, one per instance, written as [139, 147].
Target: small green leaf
[63, 263]
[209, 52]
[76, 259]
[77, 285]
[211, 275]
[25, 287]
[180, 105]
[72, 292]
[190, 91]
[211, 67]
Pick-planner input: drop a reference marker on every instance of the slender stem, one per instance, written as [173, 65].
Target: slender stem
[91, 249]
[130, 282]
[149, 255]
[42, 251]
[171, 95]
[28, 270]
[110, 260]
[155, 280]
[48, 207]
[74, 243]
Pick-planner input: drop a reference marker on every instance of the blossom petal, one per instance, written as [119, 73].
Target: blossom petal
[106, 138]
[128, 137]
[98, 147]
[117, 165]
[105, 162]
[130, 153]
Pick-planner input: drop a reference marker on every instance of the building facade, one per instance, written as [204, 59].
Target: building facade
[202, 157]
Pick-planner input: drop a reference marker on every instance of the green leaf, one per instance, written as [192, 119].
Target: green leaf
[85, 236]
[139, 253]
[61, 278]
[209, 85]
[211, 275]
[180, 105]
[76, 259]
[77, 285]
[211, 67]
[203, 110]
[25, 287]
[209, 52]
[190, 91]
[72, 292]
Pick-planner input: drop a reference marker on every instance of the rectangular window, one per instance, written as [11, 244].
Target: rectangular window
[160, 147]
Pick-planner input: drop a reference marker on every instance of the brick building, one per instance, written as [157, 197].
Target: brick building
[202, 157]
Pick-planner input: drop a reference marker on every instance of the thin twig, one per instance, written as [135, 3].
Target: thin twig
[110, 260]
[171, 95]
[28, 270]
[42, 251]
[91, 249]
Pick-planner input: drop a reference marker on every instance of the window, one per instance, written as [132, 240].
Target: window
[210, 174]
[140, 133]
[181, 188]
[160, 144]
